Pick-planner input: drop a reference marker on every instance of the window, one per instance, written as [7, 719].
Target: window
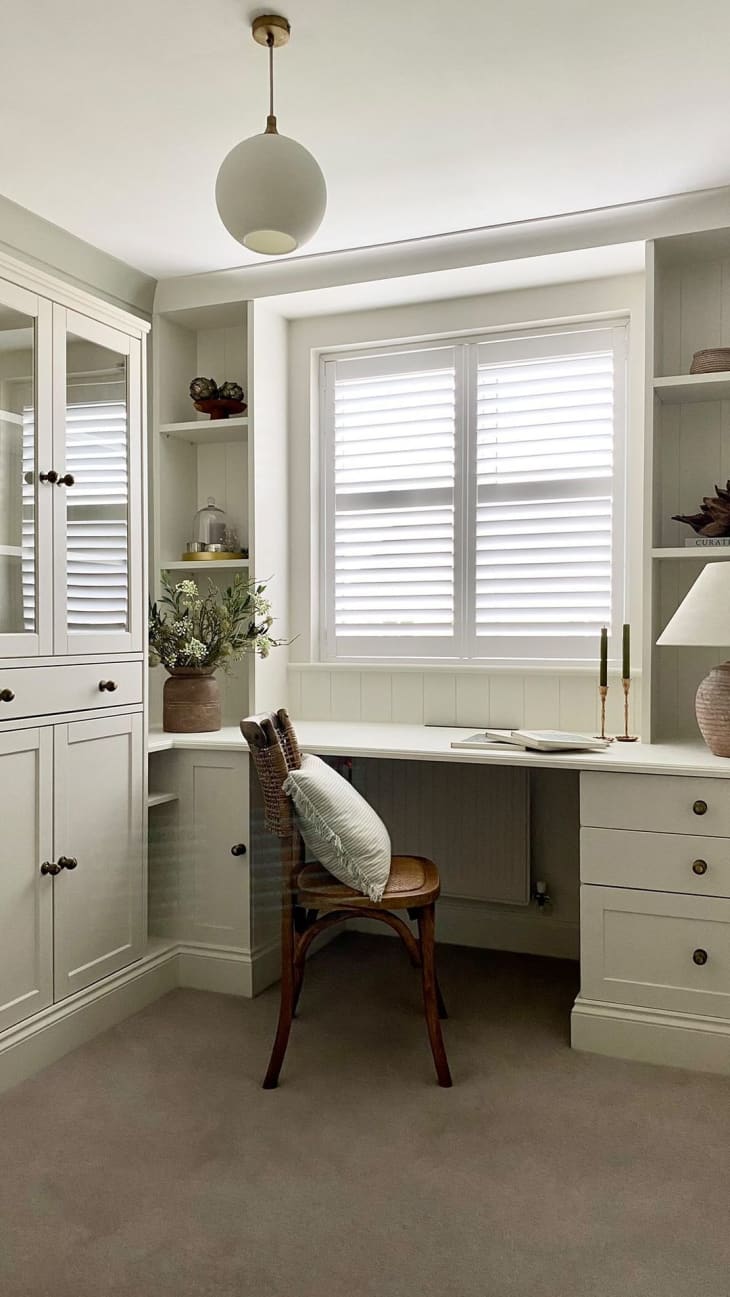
[473, 496]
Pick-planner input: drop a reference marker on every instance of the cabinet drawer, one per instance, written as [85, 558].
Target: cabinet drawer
[40, 691]
[661, 862]
[656, 950]
[660, 803]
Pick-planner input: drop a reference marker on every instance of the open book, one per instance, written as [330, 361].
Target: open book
[535, 740]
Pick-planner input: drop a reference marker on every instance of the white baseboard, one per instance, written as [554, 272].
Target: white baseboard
[227, 971]
[472, 923]
[651, 1036]
[41, 1040]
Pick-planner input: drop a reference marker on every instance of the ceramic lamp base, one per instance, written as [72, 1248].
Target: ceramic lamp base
[712, 708]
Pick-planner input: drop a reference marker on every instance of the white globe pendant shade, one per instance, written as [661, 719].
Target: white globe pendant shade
[271, 194]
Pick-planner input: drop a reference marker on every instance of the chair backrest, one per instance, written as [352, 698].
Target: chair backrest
[275, 751]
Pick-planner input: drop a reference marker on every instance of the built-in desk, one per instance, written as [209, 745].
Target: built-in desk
[433, 743]
[654, 875]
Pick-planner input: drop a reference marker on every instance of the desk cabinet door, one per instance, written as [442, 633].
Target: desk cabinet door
[26, 896]
[99, 902]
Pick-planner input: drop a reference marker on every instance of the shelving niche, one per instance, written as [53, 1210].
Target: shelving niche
[194, 457]
[688, 451]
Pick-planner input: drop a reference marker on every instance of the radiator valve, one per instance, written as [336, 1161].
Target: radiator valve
[541, 896]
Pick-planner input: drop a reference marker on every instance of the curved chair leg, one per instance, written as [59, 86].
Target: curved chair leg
[287, 1003]
[426, 931]
[443, 1012]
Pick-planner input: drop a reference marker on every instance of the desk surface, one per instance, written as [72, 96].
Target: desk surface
[431, 743]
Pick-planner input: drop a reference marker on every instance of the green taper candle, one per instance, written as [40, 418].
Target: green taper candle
[603, 678]
[626, 670]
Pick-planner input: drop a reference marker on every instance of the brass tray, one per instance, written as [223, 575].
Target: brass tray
[204, 556]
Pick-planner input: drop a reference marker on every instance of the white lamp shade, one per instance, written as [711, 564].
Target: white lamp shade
[271, 194]
[703, 617]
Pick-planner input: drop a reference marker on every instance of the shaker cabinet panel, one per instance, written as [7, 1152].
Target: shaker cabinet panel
[26, 895]
[99, 894]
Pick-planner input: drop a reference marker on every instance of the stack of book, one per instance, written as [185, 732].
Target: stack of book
[534, 740]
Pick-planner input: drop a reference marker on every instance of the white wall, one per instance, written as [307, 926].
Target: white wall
[465, 695]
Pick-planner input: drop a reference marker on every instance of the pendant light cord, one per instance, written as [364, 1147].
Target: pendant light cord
[271, 120]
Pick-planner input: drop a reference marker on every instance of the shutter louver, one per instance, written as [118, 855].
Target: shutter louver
[394, 467]
[545, 430]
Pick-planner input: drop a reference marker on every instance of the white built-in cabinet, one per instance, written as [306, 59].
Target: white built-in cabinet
[72, 642]
[72, 878]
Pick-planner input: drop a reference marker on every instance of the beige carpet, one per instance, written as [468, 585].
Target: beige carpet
[150, 1164]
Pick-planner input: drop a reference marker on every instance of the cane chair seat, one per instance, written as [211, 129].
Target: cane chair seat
[413, 881]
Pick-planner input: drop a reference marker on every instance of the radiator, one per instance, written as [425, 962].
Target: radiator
[472, 820]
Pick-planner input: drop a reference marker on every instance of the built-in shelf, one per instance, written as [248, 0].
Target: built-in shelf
[191, 565]
[160, 799]
[698, 552]
[8, 416]
[207, 432]
[684, 388]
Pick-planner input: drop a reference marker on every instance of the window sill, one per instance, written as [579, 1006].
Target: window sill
[464, 668]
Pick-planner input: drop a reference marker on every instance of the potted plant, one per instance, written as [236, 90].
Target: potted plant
[192, 634]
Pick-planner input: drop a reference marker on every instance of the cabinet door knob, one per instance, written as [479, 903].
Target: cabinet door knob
[238, 849]
[66, 480]
[699, 866]
[54, 867]
[6, 695]
[700, 807]
[700, 956]
[51, 476]
[108, 686]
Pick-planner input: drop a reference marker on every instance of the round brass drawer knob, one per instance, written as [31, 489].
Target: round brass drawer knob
[6, 695]
[699, 956]
[699, 866]
[700, 807]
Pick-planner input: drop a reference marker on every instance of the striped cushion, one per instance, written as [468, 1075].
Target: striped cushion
[339, 827]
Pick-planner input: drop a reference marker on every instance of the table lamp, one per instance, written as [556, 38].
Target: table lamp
[703, 618]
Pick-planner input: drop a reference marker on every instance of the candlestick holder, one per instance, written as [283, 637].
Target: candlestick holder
[626, 737]
[603, 693]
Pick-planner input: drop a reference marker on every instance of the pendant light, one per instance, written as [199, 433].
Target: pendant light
[270, 192]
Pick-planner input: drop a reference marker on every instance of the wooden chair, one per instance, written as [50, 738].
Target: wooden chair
[313, 900]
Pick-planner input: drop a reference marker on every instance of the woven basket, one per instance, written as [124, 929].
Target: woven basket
[711, 361]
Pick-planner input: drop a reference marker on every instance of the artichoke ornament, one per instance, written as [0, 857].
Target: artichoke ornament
[231, 391]
[203, 389]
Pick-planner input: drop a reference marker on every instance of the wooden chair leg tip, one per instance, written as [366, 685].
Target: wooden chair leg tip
[270, 1085]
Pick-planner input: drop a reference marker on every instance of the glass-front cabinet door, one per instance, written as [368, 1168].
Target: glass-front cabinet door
[98, 487]
[26, 499]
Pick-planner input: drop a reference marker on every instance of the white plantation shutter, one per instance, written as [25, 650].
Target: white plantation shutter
[96, 520]
[28, 538]
[391, 505]
[487, 526]
[545, 470]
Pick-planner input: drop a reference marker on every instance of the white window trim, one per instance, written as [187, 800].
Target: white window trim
[465, 497]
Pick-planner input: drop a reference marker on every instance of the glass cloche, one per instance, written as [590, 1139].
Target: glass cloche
[209, 526]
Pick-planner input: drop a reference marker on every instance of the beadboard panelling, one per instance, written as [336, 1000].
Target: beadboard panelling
[407, 698]
[483, 852]
[471, 698]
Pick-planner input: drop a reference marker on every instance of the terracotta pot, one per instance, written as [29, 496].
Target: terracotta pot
[191, 701]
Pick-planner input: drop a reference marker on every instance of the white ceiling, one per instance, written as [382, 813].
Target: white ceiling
[424, 117]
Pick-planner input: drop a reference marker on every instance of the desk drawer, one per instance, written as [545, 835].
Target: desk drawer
[42, 691]
[656, 950]
[659, 803]
[659, 862]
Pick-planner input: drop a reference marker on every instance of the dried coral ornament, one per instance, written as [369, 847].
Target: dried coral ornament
[714, 516]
